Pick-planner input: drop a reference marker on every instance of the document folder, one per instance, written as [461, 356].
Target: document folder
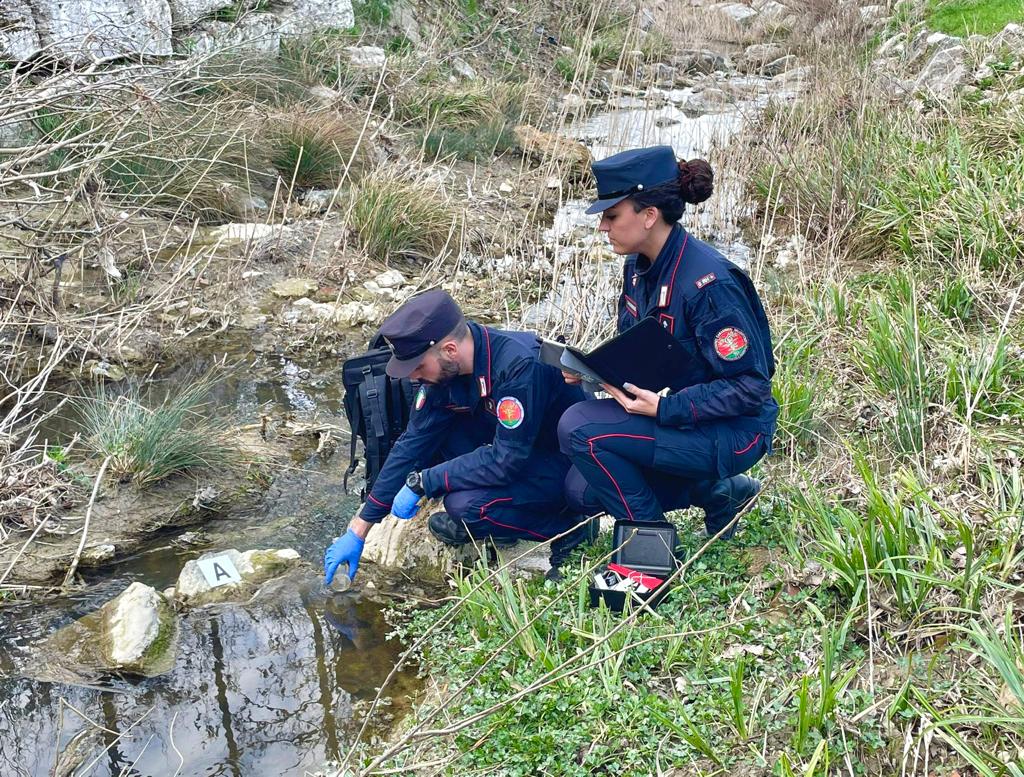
[645, 355]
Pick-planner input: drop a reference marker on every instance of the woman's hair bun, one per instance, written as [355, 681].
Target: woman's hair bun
[696, 181]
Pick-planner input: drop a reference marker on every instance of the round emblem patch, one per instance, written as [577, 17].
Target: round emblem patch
[421, 398]
[510, 412]
[731, 344]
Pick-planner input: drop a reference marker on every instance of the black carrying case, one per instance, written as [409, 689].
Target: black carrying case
[648, 547]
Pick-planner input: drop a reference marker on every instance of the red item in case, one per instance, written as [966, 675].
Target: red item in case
[648, 581]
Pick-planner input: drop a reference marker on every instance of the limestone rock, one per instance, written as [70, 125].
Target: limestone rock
[739, 14]
[316, 201]
[896, 44]
[571, 157]
[253, 32]
[872, 15]
[345, 314]
[254, 567]
[780, 65]
[389, 279]
[407, 546]
[244, 232]
[1011, 37]
[188, 12]
[699, 61]
[463, 68]
[136, 632]
[19, 38]
[574, 103]
[366, 57]
[303, 16]
[944, 74]
[98, 554]
[86, 29]
[772, 12]
[294, 287]
[760, 54]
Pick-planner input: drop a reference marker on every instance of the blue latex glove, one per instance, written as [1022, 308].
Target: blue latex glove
[406, 503]
[347, 548]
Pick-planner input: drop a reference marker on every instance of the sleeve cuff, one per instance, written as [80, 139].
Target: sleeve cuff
[374, 511]
[434, 483]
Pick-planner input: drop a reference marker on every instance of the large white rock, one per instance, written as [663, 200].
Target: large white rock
[253, 32]
[742, 15]
[133, 623]
[85, 29]
[253, 566]
[19, 38]
[366, 57]
[188, 12]
[944, 74]
[136, 632]
[1011, 37]
[408, 547]
[301, 16]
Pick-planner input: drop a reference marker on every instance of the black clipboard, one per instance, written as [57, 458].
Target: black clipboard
[645, 355]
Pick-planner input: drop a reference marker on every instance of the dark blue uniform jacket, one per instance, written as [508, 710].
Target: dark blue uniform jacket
[711, 307]
[511, 399]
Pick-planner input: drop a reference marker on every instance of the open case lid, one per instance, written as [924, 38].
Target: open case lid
[646, 546]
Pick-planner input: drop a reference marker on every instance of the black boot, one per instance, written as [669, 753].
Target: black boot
[447, 530]
[722, 499]
[586, 532]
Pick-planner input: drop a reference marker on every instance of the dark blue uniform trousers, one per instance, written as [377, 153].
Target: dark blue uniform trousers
[632, 468]
[532, 507]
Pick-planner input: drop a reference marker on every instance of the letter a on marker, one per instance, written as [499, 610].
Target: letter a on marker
[220, 572]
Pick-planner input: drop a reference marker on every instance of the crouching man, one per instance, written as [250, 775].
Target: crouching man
[482, 435]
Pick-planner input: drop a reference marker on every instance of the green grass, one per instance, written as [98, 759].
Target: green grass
[476, 143]
[969, 17]
[395, 216]
[150, 441]
[315, 149]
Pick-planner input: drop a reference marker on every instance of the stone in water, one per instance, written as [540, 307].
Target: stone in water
[219, 571]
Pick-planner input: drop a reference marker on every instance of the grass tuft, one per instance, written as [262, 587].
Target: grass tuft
[149, 443]
[316, 149]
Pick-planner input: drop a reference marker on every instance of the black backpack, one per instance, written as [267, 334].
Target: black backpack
[377, 408]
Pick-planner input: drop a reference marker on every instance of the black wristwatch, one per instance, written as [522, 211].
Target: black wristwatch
[414, 480]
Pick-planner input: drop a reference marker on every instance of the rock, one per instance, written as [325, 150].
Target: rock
[347, 314]
[737, 13]
[406, 20]
[87, 29]
[316, 201]
[326, 96]
[772, 12]
[366, 57]
[872, 15]
[1011, 38]
[896, 44]
[944, 74]
[760, 54]
[254, 568]
[666, 121]
[136, 632]
[98, 554]
[103, 369]
[647, 19]
[665, 75]
[574, 103]
[187, 12]
[463, 69]
[702, 61]
[253, 32]
[389, 279]
[245, 232]
[797, 77]
[19, 38]
[294, 287]
[305, 16]
[571, 157]
[780, 65]
[408, 547]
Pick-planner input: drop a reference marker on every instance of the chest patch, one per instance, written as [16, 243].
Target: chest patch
[663, 297]
[421, 398]
[704, 280]
[731, 344]
[510, 412]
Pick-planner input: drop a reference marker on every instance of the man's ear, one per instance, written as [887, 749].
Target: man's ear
[450, 349]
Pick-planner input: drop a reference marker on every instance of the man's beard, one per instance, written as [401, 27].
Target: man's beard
[449, 371]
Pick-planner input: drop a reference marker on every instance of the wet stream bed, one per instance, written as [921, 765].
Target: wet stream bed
[266, 687]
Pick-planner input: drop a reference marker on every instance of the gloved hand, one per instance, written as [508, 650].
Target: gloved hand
[405, 504]
[347, 548]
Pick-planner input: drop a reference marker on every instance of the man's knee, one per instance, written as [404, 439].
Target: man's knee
[579, 497]
[460, 505]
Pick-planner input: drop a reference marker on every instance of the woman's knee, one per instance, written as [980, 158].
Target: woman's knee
[572, 434]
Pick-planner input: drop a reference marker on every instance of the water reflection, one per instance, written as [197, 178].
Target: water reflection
[264, 688]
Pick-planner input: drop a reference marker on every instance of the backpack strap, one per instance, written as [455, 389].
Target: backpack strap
[373, 392]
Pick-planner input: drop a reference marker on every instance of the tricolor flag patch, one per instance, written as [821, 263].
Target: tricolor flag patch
[731, 344]
[510, 412]
[421, 398]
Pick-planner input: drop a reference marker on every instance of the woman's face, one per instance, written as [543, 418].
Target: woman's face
[626, 229]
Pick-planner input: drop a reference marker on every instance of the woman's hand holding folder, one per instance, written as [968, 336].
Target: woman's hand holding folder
[643, 402]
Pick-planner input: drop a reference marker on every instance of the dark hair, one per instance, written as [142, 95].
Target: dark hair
[693, 185]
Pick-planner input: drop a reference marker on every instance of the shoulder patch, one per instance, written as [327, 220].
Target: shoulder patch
[510, 412]
[421, 398]
[704, 280]
[731, 344]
